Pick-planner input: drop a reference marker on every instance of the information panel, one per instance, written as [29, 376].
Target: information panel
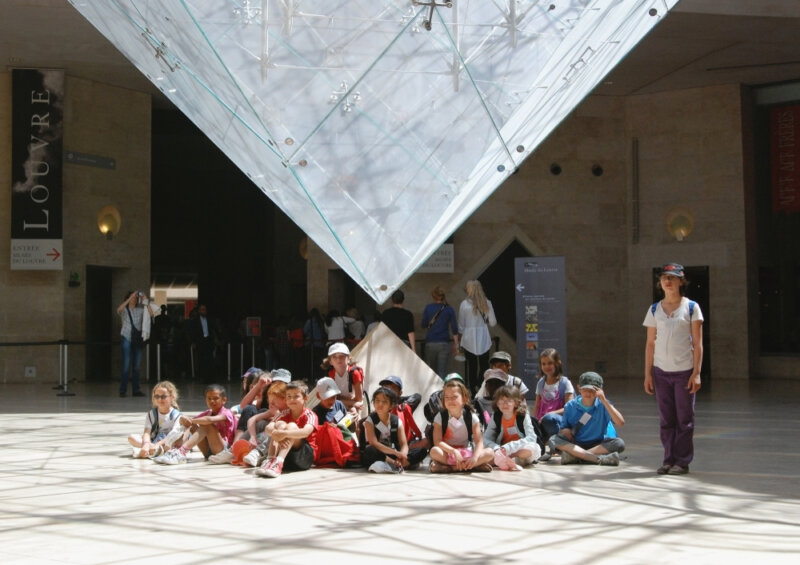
[36, 169]
[540, 288]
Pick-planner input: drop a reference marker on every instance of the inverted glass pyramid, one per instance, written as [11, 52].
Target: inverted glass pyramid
[378, 126]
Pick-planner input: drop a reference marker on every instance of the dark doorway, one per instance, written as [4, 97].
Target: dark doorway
[696, 290]
[99, 323]
[344, 293]
[498, 284]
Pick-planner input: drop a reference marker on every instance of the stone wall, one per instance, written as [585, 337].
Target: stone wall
[39, 305]
[689, 155]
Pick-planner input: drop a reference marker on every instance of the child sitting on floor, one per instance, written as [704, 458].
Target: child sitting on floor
[158, 423]
[510, 432]
[293, 435]
[250, 449]
[405, 410]
[586, 434]
[553, 391]
[457, 441]
[212, 430]
[387, 448]
[336, 439]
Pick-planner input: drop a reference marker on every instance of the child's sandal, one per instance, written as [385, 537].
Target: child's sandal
[437, 467]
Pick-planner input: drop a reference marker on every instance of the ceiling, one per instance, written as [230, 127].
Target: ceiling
[696, 45]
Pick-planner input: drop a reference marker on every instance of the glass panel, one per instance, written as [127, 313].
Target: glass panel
[376, 135]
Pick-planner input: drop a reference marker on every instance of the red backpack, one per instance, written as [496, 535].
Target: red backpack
[332, 449]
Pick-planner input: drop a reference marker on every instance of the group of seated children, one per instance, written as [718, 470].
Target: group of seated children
[278, 430]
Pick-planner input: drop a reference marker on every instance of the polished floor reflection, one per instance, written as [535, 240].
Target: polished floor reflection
[72, 494]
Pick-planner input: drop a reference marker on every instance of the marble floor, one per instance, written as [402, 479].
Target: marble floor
[70, 493]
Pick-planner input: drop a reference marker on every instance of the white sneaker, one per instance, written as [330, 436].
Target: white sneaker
[174, 434]
[224, 456]
[608, 459]
[136, 452]
[159, 450]
[381, 467]
[251, 459]
[171, 457]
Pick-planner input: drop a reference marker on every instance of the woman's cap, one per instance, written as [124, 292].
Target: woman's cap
[394, 380]
[338, 347]
[282, 375]
[590, 380]
[453, 377]
[674, 269]
[326, 387]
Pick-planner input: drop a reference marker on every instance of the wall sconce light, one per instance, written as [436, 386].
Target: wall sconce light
[680, 223]
[109, 221]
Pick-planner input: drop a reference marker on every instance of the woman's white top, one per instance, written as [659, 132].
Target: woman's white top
[674, 350]
[474, 329]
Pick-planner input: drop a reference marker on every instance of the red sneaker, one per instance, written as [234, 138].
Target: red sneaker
[273, 470]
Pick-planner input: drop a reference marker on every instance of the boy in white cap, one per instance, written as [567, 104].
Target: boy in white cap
[330, 408]
[585, 433]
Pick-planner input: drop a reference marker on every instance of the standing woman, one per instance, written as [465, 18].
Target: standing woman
[134, 313]
[673, 357]
[475, 317]
[439, 319]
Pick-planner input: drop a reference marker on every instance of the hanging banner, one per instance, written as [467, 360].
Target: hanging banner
[785, 159]
[37, 116]
[540, 287]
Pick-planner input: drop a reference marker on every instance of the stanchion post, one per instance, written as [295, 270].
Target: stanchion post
[158, 361]
[229, 361]
[64, 354]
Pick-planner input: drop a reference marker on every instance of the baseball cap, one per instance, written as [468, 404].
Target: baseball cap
[453, 377]
[392, 379]
[338, 347]
[326, 387]
[282, 375]
[252, 371]
[674, 269]
[495, 374]
[590, 380]
[500, 356]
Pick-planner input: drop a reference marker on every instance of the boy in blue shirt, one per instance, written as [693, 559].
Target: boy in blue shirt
[587, 432]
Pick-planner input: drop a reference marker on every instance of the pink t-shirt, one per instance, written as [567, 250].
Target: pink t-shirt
[227, 427]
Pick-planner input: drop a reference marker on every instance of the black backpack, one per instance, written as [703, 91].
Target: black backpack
[394, 423]
[467, 421]
[433, 406]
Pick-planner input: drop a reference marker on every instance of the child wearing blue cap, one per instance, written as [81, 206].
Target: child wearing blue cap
[587, 432]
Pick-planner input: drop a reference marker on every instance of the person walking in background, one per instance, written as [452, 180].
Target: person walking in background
[204, 342]
[315, 336]
[439, 319]
[135, 314]
[475, 317]
[673, 357]
[400, 320]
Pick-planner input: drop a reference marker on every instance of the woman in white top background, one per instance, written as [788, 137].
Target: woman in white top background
[673, 358]
[475, 317]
